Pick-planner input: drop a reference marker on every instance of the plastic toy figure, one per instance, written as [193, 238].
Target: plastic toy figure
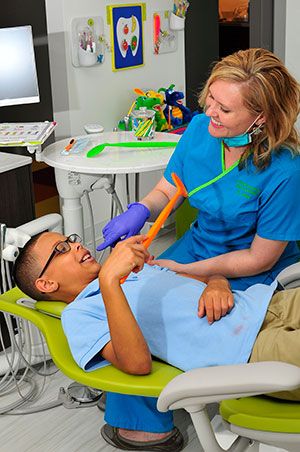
[175, 112]
[152, 100]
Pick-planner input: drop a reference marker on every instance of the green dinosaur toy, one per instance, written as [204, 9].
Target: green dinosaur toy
[152, 100]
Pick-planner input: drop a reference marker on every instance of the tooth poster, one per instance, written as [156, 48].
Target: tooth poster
[126, 25]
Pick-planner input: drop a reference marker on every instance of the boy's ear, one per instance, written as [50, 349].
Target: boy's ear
[46, 285]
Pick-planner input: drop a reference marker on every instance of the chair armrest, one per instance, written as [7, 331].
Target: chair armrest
[290, 277]
[213, 384]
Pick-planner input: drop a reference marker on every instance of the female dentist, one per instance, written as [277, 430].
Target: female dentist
[240, 165]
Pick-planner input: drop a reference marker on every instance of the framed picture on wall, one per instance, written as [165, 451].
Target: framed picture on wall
[126, 25]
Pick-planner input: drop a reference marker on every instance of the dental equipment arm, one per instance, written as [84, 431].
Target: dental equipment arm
[14, 238]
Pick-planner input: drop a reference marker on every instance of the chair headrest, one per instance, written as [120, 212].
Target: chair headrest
[53, 308]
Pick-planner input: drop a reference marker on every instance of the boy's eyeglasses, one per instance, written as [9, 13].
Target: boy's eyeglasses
[61, 248]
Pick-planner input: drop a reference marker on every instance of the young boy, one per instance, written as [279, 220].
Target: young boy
[155, 312]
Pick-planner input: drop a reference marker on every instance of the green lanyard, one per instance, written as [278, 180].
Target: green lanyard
[215, 179]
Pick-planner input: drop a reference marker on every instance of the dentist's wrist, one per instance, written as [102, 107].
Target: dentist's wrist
[143, 209]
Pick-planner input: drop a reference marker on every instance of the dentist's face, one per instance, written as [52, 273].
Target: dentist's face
[228, 115]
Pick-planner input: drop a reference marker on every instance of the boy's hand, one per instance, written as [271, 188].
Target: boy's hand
[127, 256]
[216, 300]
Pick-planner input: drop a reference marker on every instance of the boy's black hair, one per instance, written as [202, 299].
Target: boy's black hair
[26, 270]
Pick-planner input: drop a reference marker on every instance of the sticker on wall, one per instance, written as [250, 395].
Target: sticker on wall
[126, 25]
[87, 41]
[164, 39]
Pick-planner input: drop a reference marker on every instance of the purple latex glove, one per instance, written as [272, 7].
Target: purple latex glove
[124, 225]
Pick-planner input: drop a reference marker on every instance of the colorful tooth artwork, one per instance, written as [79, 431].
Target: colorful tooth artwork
[127, 35]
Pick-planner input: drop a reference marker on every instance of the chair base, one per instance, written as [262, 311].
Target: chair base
[83, 394]
[286, 441]
[79, 396]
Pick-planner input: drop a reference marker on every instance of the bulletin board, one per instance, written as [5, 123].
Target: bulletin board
[126, 25]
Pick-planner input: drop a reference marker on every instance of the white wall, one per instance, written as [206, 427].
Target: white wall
[97, 94]
[291, 39]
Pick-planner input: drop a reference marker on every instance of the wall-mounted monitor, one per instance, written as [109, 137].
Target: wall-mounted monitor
[18, 77]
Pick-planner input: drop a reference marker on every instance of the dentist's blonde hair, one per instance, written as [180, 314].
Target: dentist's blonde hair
[267, 87]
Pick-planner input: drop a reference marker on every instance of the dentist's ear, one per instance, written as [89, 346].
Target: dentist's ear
[46, 285]
[260, 121]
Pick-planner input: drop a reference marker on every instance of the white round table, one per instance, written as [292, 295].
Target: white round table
[75, 173]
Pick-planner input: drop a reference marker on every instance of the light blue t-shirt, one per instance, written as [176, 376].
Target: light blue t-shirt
[237, 206]
[165, 307]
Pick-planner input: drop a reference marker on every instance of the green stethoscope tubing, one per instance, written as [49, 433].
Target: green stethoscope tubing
[215, 179]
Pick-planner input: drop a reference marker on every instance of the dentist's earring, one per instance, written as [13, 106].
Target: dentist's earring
[257, 130]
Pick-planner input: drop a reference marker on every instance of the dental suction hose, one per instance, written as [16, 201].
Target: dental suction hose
[107, 183]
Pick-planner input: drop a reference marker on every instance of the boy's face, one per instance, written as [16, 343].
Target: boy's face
[71, 270]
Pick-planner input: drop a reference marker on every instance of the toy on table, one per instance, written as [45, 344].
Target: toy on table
[70, 145]
[131, 144]
[151, 100]
[77, 146]
[143, 123]
[160, 220]
[175, 112]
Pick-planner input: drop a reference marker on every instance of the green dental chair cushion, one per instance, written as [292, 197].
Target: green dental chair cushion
[51, 308]
[108, 378]
[262, 413]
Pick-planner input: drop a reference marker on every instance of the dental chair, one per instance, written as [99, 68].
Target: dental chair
[253, 418]
[46, 317]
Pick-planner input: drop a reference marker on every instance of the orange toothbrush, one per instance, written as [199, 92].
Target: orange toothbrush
[160, 220]
[70, 145]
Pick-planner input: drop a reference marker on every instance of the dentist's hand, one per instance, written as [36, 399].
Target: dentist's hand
[168, 263]
[125, 225]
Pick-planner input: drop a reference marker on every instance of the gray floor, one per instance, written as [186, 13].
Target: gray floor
[71, 430]
[67, 430]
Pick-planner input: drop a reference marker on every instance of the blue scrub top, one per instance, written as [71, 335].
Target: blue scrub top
[165, 307]
[233, 209]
